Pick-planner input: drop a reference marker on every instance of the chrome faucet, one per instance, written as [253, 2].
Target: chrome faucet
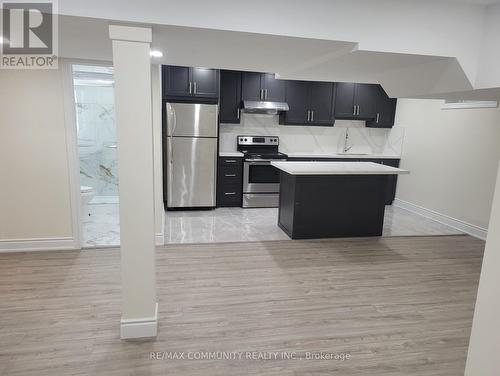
[346, 148]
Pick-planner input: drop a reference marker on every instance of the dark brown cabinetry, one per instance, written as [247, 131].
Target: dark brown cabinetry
[355, 101]
[256, 86]
[230, 96]
[385, 110]
[392, 180]
[229, 181]
[190, 84]
[311, 103]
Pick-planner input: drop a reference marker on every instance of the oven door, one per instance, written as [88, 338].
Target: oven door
[260, 177]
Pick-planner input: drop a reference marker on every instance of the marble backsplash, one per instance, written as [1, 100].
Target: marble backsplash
[316, 140]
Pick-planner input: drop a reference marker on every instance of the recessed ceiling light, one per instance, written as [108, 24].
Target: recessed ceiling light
[156, 53]
[3, 40]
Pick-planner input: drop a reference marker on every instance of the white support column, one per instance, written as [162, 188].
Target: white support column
[484, 346]
[132, 70]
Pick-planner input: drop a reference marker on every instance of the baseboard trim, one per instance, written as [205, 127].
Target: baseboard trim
[146, 327]
[38, 244]
[160, 238]
[468, 228]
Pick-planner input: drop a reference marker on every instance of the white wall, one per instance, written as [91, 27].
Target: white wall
[35, 206]
[452, 156]
[489, 58]
[34, 188]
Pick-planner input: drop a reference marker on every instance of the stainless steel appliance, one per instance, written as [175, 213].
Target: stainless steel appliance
[261, 181]
[191, 155]
[264, 107]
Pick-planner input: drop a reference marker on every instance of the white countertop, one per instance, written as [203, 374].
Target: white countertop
[341, 155]
[234, 154]
[337, 168]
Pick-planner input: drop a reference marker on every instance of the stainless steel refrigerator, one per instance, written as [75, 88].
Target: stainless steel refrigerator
[191, 155]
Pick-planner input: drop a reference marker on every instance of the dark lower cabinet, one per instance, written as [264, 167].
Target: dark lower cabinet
[392, 180]
[229, 181]
[190, 84]
[230, 96]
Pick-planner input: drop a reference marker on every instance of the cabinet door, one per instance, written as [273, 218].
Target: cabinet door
[321, 102]
[366, 98]
[230, 96]
[344, 100]
[175, 81]
[205, 82]
[385, 110]
[250, 86]
[297, 97]
[274, 89]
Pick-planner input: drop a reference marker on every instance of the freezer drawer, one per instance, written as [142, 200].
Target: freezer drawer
[191, 172]
[191, 120]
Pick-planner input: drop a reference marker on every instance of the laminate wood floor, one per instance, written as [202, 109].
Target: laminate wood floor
[397, 306]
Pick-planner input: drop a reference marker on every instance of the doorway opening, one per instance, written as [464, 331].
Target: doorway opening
[94, 101]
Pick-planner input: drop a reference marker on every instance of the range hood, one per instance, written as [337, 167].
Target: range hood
[263, 107]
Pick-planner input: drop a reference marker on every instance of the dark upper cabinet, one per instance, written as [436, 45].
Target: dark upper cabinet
[355, 101]
[344, 100]
[366, 98]
[274, 90]
[205, 82]
[230, 96]
[310, 103]
[251, 89]
[385, 110]
[257, 86]
[321, 103]
[190, 84]
[175, 81]
[297, 97]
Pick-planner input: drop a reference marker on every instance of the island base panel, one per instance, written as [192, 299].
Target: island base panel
[329, 206]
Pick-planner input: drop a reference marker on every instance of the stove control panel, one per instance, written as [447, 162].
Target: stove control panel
[258, 140]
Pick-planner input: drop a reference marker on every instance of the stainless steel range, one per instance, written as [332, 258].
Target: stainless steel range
[261, 181]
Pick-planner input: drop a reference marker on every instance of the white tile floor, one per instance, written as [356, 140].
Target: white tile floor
[237, 224]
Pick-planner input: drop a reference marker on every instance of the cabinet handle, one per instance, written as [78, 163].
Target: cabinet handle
[308, 115]
[190, 87]
[354, 110]
[230, 175]
[265, 94]
[378, 117]
[194, 87]
[358, 111]
[238, 113]
[312, 115]
[229, 193]
[230, 160]
[261, 94]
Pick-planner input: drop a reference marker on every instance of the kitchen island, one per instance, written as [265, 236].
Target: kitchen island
[332, 199]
